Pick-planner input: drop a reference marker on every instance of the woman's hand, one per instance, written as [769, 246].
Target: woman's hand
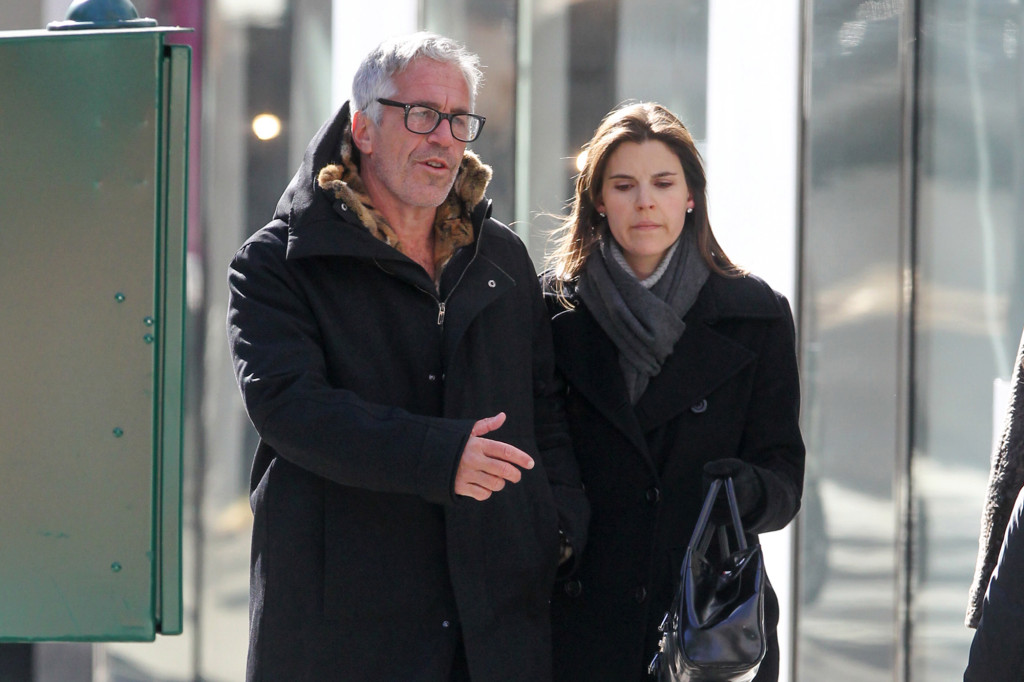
[745, 481]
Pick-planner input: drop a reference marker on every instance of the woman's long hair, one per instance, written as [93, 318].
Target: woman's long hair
[584, 226]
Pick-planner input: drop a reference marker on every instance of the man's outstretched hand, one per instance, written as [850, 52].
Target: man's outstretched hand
[487, 465]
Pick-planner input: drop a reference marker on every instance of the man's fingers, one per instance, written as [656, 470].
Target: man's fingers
[478, 484]
[487, 465]
[508, 453]
[488, 424]
[472, 490]
[488, 482]
[490, 473]
[504, 471]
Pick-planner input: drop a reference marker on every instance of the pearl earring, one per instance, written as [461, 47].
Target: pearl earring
[690, 209]
[602, 214]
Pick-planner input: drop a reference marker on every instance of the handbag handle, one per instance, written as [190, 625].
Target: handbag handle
[698, 539]
[701, 539]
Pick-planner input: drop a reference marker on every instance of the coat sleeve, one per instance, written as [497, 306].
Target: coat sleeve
[772, 440]
[281, 371]
[1005, 478]
[997, 651]
[552, 432]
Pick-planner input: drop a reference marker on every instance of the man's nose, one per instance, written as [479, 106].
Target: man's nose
[442, 134]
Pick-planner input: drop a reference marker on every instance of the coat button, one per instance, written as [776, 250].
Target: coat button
[700, 407]
[344, 207]
[432, 377]
[491, 283]
[653, 495]
[640, 594]
[573, 588]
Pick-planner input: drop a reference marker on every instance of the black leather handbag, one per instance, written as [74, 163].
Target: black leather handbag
[714, 631]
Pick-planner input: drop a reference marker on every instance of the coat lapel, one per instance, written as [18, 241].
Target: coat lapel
[701, 361]
[481, 285]
[590, 363]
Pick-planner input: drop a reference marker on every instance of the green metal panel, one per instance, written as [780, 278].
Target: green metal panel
[85, 440]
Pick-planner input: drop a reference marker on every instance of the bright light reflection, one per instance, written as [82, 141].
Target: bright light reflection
[581, 160]
[266, 126]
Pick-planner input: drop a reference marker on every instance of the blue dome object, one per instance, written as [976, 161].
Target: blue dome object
[90, 14]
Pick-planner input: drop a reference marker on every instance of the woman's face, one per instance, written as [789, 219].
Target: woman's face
[645, 197]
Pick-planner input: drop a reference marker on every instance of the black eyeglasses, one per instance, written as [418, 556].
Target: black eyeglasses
[424, 120]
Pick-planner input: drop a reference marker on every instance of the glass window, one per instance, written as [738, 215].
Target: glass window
[850, 344]
[585, 58]
[970, 301]
[488, 28]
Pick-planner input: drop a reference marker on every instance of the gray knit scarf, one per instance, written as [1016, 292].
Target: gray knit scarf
[643, 319]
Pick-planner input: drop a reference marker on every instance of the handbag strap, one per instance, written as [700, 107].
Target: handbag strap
[734, 511]
[700, 538]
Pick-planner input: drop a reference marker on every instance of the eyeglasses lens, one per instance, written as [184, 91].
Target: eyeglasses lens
[424, 120]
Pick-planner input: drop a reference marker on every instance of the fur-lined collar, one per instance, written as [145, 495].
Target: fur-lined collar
[453, 226]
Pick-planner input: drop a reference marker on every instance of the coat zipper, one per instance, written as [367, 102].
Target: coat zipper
[441, 305]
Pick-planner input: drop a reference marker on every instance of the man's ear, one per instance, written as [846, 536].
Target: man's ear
[361, 137]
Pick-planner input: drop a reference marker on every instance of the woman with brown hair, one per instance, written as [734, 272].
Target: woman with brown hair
[680, 367]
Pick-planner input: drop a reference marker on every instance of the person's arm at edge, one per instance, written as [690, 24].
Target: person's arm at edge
[774, 445]
[553, 441]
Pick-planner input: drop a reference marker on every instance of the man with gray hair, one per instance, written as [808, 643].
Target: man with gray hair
[414, 489]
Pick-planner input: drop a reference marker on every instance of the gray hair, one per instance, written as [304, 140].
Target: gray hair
[374, 78]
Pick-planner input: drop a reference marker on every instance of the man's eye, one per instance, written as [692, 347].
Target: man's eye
[421, 115]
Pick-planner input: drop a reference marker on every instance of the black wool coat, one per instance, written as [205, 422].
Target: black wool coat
[363, 382]
[729, 389]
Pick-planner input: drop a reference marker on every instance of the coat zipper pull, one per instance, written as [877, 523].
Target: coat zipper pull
[440, 313]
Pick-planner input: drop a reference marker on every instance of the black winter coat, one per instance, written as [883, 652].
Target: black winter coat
[363, 383]
[1005, 480]
[997, 651]
[729, 389]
